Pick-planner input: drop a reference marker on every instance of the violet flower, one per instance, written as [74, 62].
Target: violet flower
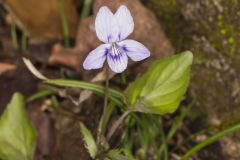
[113, 29]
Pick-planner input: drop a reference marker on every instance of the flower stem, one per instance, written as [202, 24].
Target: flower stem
[100, 131]
[117, 124]
[123, 77]
[106, 90]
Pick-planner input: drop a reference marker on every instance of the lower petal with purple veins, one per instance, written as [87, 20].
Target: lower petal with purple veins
[117, 59]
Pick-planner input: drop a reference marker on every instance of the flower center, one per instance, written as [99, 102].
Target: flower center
[116, 51]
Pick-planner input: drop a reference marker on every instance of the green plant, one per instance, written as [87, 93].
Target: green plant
[17, 136]
[164, 84]
[64, 23]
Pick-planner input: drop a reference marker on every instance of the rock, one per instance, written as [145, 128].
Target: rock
[210, 29]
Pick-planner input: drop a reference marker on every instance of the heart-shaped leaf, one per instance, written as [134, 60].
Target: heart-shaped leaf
[160, 89]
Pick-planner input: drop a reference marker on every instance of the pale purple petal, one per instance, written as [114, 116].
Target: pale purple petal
[96, 58]
[135, 50]
[117, 59]
[106, 26]
[125, 22]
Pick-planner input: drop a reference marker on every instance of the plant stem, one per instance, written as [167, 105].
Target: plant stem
[101, 140]
[117, 124]
[24, 41]
[86, 9]
[106, 91]
[64, 23]
[164, 145]
[123, 77]
[102, 120]
[14, 36]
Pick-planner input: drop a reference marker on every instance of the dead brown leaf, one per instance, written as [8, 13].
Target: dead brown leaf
[42, 18]
[4, 67]
[44, 124]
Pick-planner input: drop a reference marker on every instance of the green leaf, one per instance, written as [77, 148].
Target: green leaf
[114, 95]
[89, 141]
[210, 140]
[86, 8]
[133, 91]
[40, 94]
[161, 88]
[115, 154]
[17, 136]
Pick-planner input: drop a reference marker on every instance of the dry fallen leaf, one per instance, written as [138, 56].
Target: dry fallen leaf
[4, 67]
[44, 124]
[42, 18]
[33, 70]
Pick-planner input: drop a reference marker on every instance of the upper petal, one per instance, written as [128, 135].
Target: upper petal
[117, 59]
[96, 58]
[135, 50]
[125, 22]
[106, 25]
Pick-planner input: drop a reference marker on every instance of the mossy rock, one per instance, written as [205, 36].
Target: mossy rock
[216, 20]
[210, 29]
